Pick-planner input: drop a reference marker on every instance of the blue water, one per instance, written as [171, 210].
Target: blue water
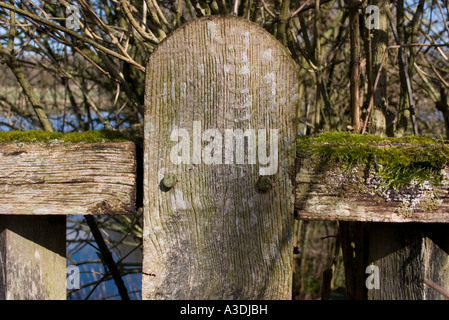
[92, 272]
[62, 123]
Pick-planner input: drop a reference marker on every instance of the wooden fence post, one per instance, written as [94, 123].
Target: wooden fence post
[390, 251]
[32, 262]
[40, 183]
[411, 260]
[220, 144]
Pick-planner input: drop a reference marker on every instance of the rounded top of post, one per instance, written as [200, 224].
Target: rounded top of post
[209, 21]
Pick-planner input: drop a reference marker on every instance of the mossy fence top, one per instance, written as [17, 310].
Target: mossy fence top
[352, 177]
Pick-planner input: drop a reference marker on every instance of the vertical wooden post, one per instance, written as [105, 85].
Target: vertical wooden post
[218, 206]
[411, 258]
[32, 253]
[39, 184]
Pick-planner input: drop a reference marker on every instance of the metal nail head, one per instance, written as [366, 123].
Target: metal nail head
[264, 184]
[169, 181]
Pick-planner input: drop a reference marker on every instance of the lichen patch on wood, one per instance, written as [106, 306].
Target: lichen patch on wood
[381, 179]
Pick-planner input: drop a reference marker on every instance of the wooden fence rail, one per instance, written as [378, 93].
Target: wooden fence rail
[41, 183]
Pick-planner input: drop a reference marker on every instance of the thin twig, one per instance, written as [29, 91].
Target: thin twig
[428, 37]
[76, 35]
[268, 10]
[438, 75]
[443, 17]
[294, 13]
[178, 13]
[127, 10]
[311, 6]
[107, 257]
[144, 14]
[114, 39]
[329, 236]
[14, 66]
[436, 287]
[406, 75]
[12, 32]
[431, 89]
[161, 15]
[236, 7]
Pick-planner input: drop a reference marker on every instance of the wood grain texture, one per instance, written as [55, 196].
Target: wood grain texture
[39, 178]
[32, 257]
[373, 230]
[406, 254]
[323, 195]
[214, 235]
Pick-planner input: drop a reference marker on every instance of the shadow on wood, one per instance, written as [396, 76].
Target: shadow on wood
[406, 255]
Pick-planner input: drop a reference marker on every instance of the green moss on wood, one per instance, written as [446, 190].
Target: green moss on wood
[399, 161]
[93, 136]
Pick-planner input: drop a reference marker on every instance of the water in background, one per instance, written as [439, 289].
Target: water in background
[91, 273]
[57, 122]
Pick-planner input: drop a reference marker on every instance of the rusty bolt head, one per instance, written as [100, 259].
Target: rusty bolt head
[264, 184]
[169, 180]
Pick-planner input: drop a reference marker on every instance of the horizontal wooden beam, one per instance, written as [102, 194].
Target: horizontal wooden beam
[335, 195]
[56, 178]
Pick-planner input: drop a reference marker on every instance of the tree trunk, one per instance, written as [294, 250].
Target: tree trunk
[404, 112]
[443, 106]
[378, 124]
[354, 67]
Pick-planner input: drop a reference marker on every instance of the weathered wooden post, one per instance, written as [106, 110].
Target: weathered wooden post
[395, 241]
[40, 183]
[220, 131]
